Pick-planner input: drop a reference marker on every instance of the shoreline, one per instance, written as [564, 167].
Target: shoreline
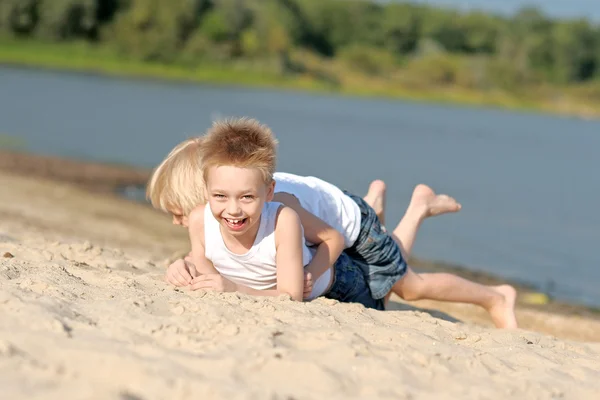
[85, 59]
[105, 179]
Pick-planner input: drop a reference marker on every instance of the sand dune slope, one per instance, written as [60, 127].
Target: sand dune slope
[84, 313]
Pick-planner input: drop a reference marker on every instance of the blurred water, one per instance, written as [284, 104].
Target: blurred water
[527, 182]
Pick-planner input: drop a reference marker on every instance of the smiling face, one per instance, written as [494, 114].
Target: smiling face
[236, 197]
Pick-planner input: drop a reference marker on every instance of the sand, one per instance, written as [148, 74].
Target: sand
[85, 314]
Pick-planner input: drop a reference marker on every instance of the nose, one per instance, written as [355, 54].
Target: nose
[233, 207]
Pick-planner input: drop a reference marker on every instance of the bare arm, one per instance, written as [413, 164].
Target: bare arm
[196, 232]
[330, 242]
[288, 242]
[182, 272]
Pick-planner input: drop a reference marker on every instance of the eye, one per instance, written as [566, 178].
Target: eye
[218, 196]
[248, 197]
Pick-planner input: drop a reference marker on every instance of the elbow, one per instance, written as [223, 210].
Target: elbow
[295, 296]
[339, 242]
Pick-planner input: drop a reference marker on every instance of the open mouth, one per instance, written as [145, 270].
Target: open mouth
[235, 224]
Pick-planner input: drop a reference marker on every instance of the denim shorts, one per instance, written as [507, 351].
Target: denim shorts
[376, 252]
[350, 286]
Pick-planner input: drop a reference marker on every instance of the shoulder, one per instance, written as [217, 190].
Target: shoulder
[196, 217]
[286, 215]
[287, 222]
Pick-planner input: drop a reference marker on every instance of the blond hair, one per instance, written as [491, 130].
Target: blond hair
[177, 182]
[241, 142]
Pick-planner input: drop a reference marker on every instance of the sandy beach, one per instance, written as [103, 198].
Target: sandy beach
[85, 313]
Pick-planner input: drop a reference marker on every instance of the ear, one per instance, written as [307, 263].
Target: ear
[271, 190]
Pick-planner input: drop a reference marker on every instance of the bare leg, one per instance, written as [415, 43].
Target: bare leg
[376, 199]
[424, 203]
[498, 301]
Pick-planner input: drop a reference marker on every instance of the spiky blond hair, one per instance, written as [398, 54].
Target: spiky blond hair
[177, 182]
[241, 142]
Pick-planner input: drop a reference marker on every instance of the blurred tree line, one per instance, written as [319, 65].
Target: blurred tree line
[414, 44]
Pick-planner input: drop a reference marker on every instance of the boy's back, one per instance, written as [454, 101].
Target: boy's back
[324, 200]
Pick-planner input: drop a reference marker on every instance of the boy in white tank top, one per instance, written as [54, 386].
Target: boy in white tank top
[376, 266]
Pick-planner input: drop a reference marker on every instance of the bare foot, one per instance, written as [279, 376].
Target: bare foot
[425, 202]
[376, 198]
[503, 311]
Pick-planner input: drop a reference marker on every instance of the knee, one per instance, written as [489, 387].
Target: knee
[409, 290]
[411, 295]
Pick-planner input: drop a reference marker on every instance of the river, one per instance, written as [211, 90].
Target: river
[527, 182]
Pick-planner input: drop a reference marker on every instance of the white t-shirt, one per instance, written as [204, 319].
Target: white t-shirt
[324, 200]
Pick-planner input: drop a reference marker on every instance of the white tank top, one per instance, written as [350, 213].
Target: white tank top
[324, 200]
[256, 268]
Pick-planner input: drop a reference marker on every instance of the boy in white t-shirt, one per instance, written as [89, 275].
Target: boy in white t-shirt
[382, 256]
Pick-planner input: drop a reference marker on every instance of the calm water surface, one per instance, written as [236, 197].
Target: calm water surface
[528, 183]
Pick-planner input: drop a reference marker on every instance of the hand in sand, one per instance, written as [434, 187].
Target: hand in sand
[213, 282]
[181, 272]
[308, 284]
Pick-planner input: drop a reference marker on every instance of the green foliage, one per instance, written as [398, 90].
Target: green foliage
[153, 29]
[482, 32]
[369, 60]
[435, 70]
[432, 46]
[64, 19]
[401, 27]
[18, 16]
[575, 51]
[215, 27]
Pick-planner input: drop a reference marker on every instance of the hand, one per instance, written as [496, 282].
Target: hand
[190, 264]
[214, 282]
[180, 273]
[308, 284]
